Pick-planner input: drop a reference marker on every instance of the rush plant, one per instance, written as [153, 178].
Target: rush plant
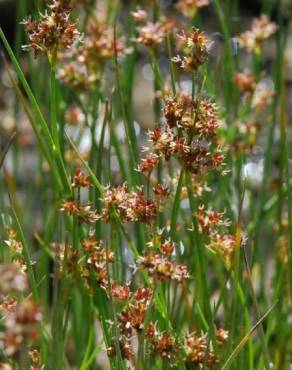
[128, 248]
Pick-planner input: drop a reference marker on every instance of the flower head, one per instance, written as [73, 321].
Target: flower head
[261, 29]
[53, 32]
[195, 47]
[129, 206]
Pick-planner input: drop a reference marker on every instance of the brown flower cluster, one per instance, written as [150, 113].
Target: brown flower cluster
[21, 326]
[208, 220]
[161, 268]
[189, 8]
[80, 180]
[133, 316]
[261, 29]
[192, 349]
[199, 349]
[20, 318]
[15, 248]
[151, 34]
[162, 343]
[263, 94]
[158, 262]
[98, 258]
[53, 32]
[82, 66]
[83, 212]
[246, 82]
[131, 320]
[212, 224]
[195, 47]
[12, 279]
[189, 135]
[161, 193]
[68, 258]
[260, 92]
[258, 95]
[35, 358]
[199, 115]
[129, 206]
[74, 116]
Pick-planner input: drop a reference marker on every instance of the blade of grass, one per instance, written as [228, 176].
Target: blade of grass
[5, 150]
[257, 311]
[241, 344]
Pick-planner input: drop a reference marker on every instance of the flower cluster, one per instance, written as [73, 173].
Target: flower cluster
[98, 257]
[12, 279]
[82, 66]
[15, 248]
[131, 319]
[68, 258]
[53, 32]
[192, 349]
[189, 8]
[133, 316]
[189, 135]
[129, 206]
[158, 262]
[20, 318]
[83, 212]
[209, 219]
[199, 115]
[74, 116]
[150, 34]
[257, 94]
[162, 268]
[35, 358]
[260, 92]
[195, 47]
[212, 224]
[199, 350]
[264, 91]
[261, 29]
[80, 180]
[162, 343]
[246, 82]
[21, 326]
